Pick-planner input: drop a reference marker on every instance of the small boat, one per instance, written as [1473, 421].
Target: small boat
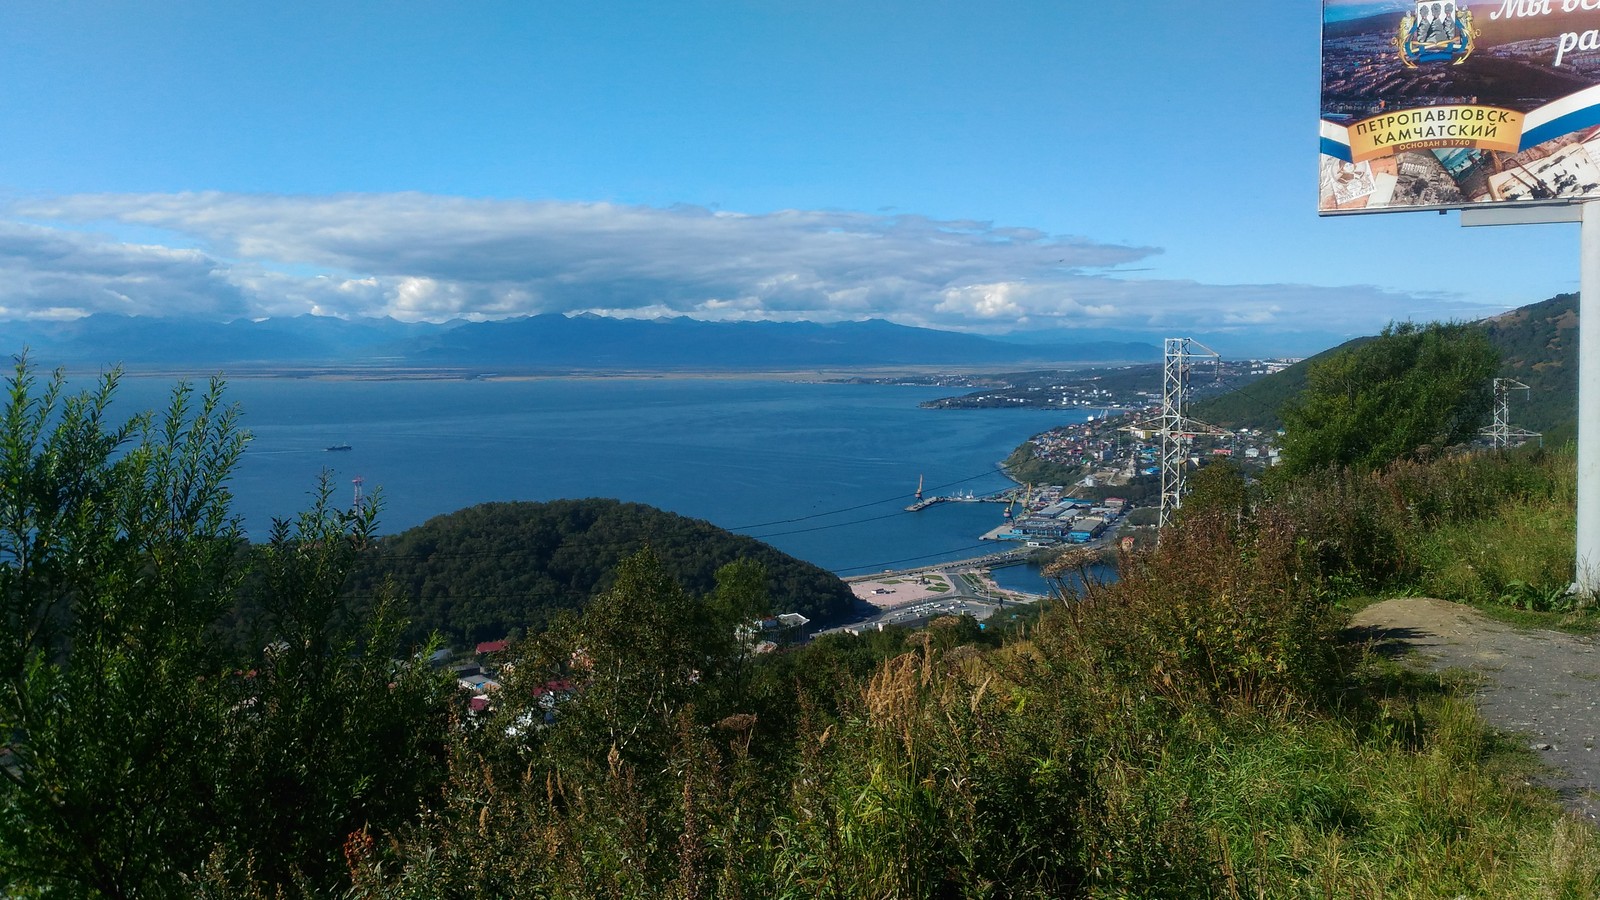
[337, 447]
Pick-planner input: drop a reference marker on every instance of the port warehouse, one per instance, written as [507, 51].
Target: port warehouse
[1058, 518]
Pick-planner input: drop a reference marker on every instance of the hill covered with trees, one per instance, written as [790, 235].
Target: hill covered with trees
[1413, 390]
[1538, 346]
[486, 571]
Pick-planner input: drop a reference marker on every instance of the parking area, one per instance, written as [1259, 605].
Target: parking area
[901, 590]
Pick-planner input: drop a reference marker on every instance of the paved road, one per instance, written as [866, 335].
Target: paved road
[976, 562]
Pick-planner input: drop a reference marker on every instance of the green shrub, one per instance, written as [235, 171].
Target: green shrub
[1215, 617]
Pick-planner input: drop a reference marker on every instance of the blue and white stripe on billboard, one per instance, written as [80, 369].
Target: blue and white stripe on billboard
[1443, 104]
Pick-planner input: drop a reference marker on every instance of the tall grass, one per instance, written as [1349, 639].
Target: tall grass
[1484, 528]
[1196, 729]
[1307, 810]
[1515, 548]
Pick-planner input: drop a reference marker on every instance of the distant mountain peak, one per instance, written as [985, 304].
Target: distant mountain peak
[544, 343]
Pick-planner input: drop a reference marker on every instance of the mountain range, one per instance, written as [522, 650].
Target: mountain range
[533, 344]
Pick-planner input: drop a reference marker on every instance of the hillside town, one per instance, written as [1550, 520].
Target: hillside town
[1104, 388]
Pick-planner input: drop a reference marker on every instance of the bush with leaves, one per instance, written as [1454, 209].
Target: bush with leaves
[134, 752]
[1413, 390]
[116, 552]
[326, 732]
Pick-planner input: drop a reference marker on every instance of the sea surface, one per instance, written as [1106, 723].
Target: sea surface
[821, 471]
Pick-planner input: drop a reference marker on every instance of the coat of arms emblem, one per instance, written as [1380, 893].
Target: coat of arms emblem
[1438, 31]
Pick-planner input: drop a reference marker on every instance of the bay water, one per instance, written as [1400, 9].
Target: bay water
[822, 471]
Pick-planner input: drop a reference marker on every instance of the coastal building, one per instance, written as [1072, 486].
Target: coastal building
[781, 630]
[1086, 529]
[1038, 527]
[478, 684]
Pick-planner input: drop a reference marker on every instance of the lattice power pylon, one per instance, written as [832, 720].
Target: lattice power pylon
[1177, 429]
[1502, 432]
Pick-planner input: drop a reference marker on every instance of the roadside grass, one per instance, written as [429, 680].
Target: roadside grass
[1414, 798]
[1521, 555]
[1351, 604]
[1514, 565]
[1579, 622]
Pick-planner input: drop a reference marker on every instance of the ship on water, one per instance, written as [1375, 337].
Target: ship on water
[336, 448]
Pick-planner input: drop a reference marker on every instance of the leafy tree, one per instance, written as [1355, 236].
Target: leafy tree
[326, 733]
[1413, 389]
[637, 656]
[1217, 488]
[116, 553]
[133, 752]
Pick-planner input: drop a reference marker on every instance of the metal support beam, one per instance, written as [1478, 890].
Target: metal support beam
[1587, 582]
[1174, 387]
[1521, 214]
[1587, 575]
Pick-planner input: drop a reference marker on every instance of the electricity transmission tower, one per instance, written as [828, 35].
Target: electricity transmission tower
[1177, 429]
[1501, 432]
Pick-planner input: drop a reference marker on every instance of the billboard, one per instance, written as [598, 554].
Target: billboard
[1443, 104]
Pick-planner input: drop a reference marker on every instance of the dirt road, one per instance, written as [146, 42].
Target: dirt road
[1542, 684]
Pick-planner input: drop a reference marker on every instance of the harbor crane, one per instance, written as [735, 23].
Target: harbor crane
[1026, 496]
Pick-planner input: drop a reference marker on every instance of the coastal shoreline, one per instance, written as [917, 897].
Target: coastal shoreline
[840, 375]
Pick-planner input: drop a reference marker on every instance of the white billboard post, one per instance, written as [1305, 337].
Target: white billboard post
[1586, 582]
[1491, 107]
[1588, 577]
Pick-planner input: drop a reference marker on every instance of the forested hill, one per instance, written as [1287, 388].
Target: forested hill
[1538, 347]
[1257, 406]
[476, 574]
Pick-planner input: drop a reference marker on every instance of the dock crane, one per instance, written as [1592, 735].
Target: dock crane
[1025, 496]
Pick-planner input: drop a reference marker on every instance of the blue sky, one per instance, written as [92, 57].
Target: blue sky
[1003, 167]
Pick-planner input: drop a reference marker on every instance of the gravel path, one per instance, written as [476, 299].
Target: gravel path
[1542, 684]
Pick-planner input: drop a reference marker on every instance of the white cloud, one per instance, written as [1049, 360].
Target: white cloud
[423, 257]
[51, 273]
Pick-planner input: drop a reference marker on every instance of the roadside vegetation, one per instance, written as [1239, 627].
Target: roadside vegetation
[1201, 727]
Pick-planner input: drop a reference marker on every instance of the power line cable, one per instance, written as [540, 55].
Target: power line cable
[895, 498]
[762, 537]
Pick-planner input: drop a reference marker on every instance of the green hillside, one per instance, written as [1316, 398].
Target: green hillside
[475, 574]
[1537, 345]
[1257, 406]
